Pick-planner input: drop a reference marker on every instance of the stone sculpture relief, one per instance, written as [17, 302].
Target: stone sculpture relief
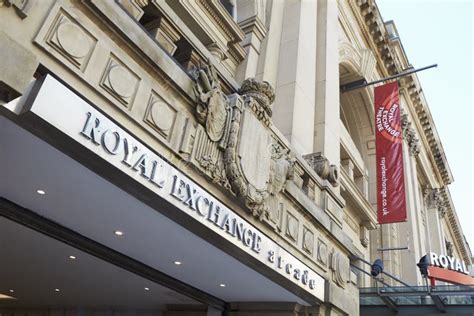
[434, 199]
[409, 134]
[255, 164]
[449, 248]
[212, 106]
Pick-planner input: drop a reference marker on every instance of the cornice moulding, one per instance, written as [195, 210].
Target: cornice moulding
[373, 24]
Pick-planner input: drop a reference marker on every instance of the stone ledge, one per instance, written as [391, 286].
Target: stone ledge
[17, 67]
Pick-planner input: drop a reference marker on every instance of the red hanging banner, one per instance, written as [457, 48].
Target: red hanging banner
[391, 205]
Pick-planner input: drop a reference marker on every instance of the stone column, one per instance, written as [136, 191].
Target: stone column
[327, 117]
[435, 211]
[267, 68]
[411, 232]
[295, 93]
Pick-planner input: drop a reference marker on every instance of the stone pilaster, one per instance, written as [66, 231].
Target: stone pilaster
[294, 108]
[327, 117]
[251, 21]
[435, 210]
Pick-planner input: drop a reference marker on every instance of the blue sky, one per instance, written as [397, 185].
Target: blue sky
[436, 31]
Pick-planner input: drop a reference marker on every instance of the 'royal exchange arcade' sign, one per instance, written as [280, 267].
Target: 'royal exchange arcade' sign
[66, 111]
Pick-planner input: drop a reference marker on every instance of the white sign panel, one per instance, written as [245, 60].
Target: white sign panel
[66, 111]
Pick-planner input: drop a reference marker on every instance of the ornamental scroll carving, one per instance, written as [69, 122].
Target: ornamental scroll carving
[254, 162]
[434, 199]
[321, 165]
[410, 135]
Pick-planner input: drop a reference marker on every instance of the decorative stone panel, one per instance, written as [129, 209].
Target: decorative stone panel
[308, 240]
[275, 213]
[340, 268]
[160, 115]
[322, 254]
[119, 81]
[70, 41]
[292, 227]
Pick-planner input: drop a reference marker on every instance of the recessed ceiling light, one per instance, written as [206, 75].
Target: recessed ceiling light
[222, 285]
[56, 290]
[6, 297]
[11, 291]
[118, 233]
[147, 289]
[72, 257]
[178, 263]
[41, 192]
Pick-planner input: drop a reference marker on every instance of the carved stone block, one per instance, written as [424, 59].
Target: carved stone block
[134, 7]
[297, 176]
[208, 157]
[22, 7]
[322, 167]
[71, 40]
[165, 34]
[308, 240]
[119, 81]
[364, 235]
[333, 209]
[160, 115]
[292, 226]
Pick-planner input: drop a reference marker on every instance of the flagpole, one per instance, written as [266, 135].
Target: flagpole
[362, 83]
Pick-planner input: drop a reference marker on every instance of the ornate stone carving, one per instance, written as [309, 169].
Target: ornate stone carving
[356, 63]
[255, 164]
[434, 199]
[210, 158]
[322, 167]
[449, 248]
[261, 91]
[213, 106]
[409, 134]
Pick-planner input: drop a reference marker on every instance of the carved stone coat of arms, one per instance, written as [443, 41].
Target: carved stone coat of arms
[253, 161]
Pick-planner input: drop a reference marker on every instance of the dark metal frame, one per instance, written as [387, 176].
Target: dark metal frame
[362, 83]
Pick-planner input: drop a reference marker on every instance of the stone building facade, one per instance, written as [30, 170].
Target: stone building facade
[215, 133]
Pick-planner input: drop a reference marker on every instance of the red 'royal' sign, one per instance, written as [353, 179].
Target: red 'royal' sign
[391, 204]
